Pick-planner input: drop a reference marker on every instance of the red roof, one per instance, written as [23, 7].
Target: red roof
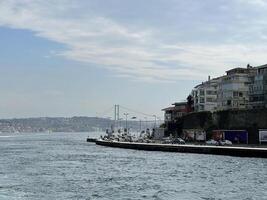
[169, 109]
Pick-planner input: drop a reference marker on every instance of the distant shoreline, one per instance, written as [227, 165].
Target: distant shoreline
[59, 124]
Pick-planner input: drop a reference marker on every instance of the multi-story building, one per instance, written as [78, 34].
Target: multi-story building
[258, 88]
[176, 111]
[205, 95]
[234, 87]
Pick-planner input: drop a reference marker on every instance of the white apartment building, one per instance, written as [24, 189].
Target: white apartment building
[233, 89]
[258, 89]
[205, 95]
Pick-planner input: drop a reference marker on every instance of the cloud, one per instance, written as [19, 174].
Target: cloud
[142, 53]
[255, 2]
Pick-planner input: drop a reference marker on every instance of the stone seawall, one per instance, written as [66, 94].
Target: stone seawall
[250, 120]
[200, 149]
[234, 119]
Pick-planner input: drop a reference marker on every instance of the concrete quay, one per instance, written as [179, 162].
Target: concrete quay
[199, 149]
[91, 140]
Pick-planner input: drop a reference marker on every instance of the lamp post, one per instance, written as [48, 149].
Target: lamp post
[155, 123]
[140, 125]
[145, 122]
[134, 123]
[108, 125]
[126, 115]
[120, 120]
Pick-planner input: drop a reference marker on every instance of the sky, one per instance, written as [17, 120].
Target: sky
[63, 58]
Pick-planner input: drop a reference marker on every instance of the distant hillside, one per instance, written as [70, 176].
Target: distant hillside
[61, 124]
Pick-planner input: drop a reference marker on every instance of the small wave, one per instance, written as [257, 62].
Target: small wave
[6, 136]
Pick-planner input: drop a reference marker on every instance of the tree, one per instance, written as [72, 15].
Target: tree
[190, 102]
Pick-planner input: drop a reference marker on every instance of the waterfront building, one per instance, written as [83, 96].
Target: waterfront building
[178, 109]
[258, 88]
[205, 95]
[233, 89]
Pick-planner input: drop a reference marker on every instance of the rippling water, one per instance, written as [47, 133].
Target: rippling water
[64, 166]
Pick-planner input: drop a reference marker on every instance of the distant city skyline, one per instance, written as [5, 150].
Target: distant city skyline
[77, 58]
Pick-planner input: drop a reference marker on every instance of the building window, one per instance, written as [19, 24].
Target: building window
[202, 100]
[235, 103]
[235, 94]
[201, 92]
[211, 92]
[209, 99]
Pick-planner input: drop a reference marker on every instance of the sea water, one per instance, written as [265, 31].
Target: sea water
[65, 166]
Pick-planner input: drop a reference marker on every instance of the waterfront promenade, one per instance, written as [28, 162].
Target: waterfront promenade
[200, 149]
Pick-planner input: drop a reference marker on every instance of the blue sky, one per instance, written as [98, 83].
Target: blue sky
[66, 58]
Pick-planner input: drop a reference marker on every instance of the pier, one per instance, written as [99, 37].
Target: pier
[200, 149]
